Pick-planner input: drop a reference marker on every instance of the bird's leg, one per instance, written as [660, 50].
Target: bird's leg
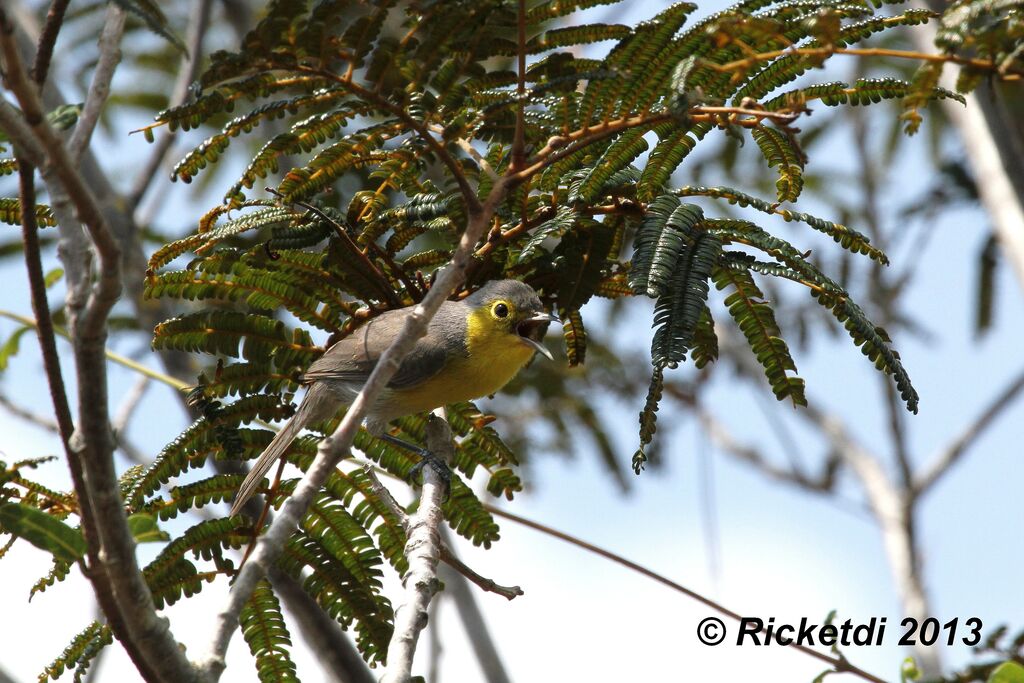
[427, 459]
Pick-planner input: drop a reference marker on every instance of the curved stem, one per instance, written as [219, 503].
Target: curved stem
[838, 663]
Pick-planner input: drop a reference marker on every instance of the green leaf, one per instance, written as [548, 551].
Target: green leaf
[10, 347]
[1007, 672]
[780, 150]
[267, 635]
[909, 670]
[61, 118]
[43, 531]
[755, 318]
[53, 277]
[663, 236]
[144, 528]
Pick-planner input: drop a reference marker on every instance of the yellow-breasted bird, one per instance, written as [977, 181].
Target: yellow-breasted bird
[472, 348]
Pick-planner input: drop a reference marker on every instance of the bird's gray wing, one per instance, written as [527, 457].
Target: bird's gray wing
[353, 358]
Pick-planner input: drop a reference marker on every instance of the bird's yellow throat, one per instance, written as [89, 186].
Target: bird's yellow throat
[494, 356]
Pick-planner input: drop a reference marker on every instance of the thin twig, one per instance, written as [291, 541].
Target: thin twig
[485, 584]
[721, 437]
[837, 663]
[519, 135]
[753, 60]
[447, 555]
[115, 357]
[42, 421]
[198, 21]
[130, 404]
[47, 40]
[952, 454]
[124, 416]
[99, 88]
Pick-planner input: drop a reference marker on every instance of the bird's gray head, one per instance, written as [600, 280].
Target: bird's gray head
[515, 305]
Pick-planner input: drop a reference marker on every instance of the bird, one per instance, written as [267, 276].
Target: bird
[472, 348]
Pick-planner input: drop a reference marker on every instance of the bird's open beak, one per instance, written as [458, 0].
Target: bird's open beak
[532, 323]
[542, 317]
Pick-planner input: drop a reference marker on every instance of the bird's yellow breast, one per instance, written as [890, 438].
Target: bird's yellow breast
[493, 357]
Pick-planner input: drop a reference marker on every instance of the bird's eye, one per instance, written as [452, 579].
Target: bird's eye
[501, 310]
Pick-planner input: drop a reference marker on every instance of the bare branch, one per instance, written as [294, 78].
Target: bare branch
[422, 550]
[41, 421]
[25, 145]
[519, 135]
[840, 664]
[198, 22]
[485, 584]
[952, 454]
[447, 555]
[992, 145]
[123, 418]
[131, 402]
[99, 89]
[724, 440]
[117, 579]
[47, 40]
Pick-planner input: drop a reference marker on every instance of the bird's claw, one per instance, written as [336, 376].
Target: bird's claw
[437, 465]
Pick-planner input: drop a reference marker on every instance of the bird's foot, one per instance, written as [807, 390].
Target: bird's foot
[437, 465]
[427, 459]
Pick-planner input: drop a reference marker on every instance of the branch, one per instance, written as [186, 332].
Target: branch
[952, 454]
[123, 418]
[422, 550]
[751, 61]
[991, 142]
[65, 169]
[519, 135]
[720, 436]
[447, 555]
[113, 356]
[41, 421]
[112, 568]
[839, 664]
[99, 88]
[468, 196]
[20, 135]
[560, 146]
[47, 40]
[41, 304]
[338, 445]
[198, 22]
[467, 147]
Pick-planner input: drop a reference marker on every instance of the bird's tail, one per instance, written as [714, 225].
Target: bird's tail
[316, 406]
